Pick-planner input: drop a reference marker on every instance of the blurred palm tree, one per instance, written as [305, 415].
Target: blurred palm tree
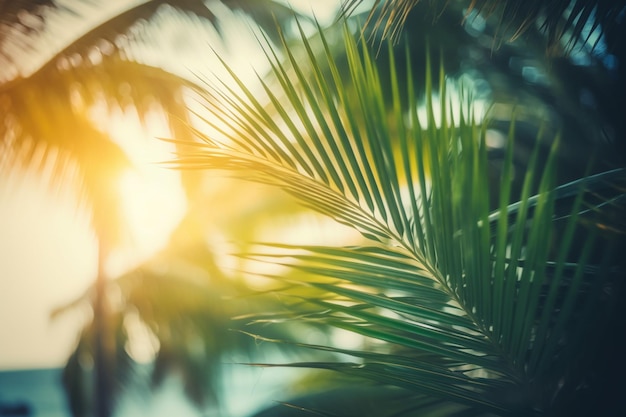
[478, 290]
[173, 314]
[61, 59]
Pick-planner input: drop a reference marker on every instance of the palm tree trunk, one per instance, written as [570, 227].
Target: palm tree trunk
[103, 358]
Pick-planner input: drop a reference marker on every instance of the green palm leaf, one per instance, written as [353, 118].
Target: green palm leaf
[463, 298]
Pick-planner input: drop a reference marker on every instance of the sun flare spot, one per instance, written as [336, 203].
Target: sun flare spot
[151, 196]
[152, 203]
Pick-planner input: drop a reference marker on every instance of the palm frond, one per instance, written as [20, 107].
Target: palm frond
[462, 299]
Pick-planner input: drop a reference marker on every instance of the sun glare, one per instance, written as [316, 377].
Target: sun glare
[151, 196]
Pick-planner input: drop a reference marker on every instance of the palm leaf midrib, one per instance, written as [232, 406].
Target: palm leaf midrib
[395, 243]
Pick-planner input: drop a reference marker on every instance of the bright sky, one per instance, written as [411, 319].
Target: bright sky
[48, 252]
[39, 270]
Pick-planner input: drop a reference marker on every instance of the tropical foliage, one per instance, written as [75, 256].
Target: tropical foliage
[486, 279]
[471, 309]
